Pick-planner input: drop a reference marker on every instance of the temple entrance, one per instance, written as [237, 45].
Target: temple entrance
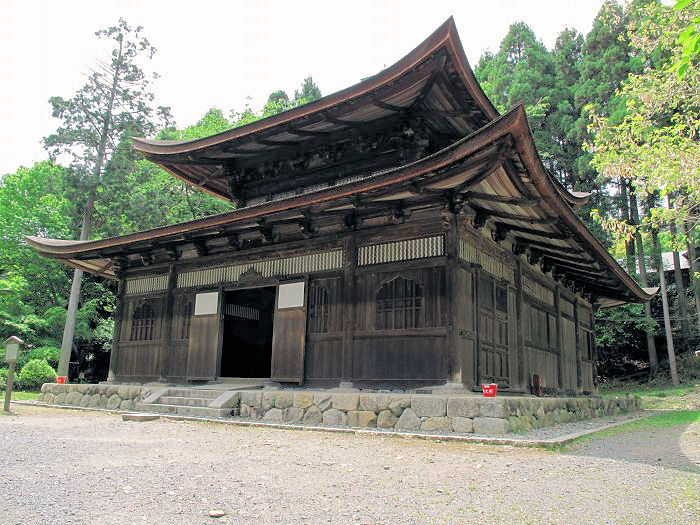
[247, 341]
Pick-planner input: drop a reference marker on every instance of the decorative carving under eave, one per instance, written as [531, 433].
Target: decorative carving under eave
[399, 214]
[353, 221]
[546, 266]
[499, 233]
[533, 256]
[201, 248]
[172, 253]
[147, 258]
[479, 219]
[233, 181]
[250, 275]
[307, 227]
[519, 248]
[456, 203]
[119, 266]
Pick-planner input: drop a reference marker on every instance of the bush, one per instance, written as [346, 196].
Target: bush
[50, 354]
[3, 378]
[35, 373]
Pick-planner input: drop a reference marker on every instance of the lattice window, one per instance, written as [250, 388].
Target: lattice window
[143, 320]
[399, 305]
[319, 309]
[184, 307]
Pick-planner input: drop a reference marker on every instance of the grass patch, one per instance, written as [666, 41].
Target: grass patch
[21, 395]
[657, 396]
[658, 420]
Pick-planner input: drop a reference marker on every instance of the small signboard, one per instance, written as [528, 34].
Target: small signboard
[290, 295]
[12, 349]
[206, 303]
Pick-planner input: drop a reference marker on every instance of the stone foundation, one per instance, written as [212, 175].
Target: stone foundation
[114, 397]
[402, 412]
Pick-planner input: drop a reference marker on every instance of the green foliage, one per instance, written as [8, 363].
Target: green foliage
[3, 378]
[689, 38]
[35, 373]
[50, 354]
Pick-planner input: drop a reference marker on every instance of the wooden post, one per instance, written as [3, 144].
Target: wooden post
[577, 335]
[519, 327]
[454, 361]
[477, 327]
[8, 388]
[560, 345]
[12, 348]
[118, 319]
[349, 265]
[166, 340]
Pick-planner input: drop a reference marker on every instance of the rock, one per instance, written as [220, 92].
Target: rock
[274, 415]
[126, 404]
[85, 401]
[465, 407]
[397, 404]
[137, 391]
[45, 388]
[227, 399]
[252, 399]
[104, 400]
[140, 417]
[491, 408]
[334, 417]
[245, 411]
[293, 414]
[74, 398]
[303, 399]
[60, 398]
[124, 392]
[462, 425]
[313, 415]
[429, 406]
[322, 401]
[49, 398]
[114, 401]
[437, 424]
[95, 400]
[362, 418]
[374, 402]
[386, 419]
[491, 425]
[408, 421]
[268, 400]
[217, 513]
[345, 402]
[283, 400]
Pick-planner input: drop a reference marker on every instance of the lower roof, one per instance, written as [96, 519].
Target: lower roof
[494, 173]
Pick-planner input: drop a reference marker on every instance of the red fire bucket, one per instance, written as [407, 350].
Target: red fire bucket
[489, 390]
[61, 380]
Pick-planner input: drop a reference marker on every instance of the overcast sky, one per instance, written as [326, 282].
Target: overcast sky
[217, 53]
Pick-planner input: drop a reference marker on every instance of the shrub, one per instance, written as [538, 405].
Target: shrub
[35, 373]
[3, 378]
[50, 354]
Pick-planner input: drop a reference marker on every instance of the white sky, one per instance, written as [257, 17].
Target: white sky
[216, 53]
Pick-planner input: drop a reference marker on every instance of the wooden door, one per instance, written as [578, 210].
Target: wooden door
[289, 333]
[205, 340]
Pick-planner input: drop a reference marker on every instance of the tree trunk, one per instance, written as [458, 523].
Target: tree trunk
[651, 343]
[667, 317]
[629, 243]
[680, 289]
[694, 270]
[69, 328]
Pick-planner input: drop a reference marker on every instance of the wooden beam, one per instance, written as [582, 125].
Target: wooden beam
[499, 198]
[553, 247]
[514, 217]
[530, 231]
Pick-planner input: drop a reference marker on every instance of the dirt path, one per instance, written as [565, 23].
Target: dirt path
[77, 467]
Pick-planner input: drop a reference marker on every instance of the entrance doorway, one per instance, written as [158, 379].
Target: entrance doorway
[247, 341]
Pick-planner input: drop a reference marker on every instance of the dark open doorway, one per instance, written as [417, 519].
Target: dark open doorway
[247, 344]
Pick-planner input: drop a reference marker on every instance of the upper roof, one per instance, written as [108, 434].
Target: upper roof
[496, 171]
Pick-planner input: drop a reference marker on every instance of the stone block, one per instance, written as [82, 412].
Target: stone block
[73, 398]
[429, 406]
[124, 392]
[114, 401]
[245, 410]
[95, 400]
[492, 408]
[137, 391]
[408, 421]
[491, 425]
[303, 399]
[104, 399]
[268, 400]
[227, 399]
[85, 401]
[49, 398]
[322, 401]
[274, 415]
[45, 388]
[126, 404]
[386, 419]
[437, 424]
[374, 402]
[345, 402]
[60, 398]
[293, 414]
[463, 407]
[252, 399]
[463, 425]
[397, 404]
[313, 415]
[283, 400]
[335, 417]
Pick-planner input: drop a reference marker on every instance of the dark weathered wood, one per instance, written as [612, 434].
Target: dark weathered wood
[204, 346]
[349, 269]
[288, 343]
[454, 362]
[116, 338]
[166, 344]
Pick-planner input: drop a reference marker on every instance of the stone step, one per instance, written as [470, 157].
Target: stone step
[185, 401]
[179, 410]
[194, 392]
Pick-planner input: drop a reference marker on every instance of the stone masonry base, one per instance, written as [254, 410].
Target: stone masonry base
[406, 412]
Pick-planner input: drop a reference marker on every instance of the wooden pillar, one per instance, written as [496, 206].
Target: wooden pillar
[118, 319]
[349, 265]
[477, 327]
[166, 339]
[577, 335]
[520, 327]
[560, 345]
[454, 358]
[594, 350]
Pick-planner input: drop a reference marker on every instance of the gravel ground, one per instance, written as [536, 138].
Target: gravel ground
[83, 467]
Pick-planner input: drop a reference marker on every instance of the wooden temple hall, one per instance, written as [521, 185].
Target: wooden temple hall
[400, 233]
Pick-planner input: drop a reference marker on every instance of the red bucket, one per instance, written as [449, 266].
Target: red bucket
[61, 380]
[489, 390]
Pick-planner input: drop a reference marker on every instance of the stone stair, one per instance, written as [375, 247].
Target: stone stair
[191, 402]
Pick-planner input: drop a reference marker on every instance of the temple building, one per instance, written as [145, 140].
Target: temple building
[400, 233]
